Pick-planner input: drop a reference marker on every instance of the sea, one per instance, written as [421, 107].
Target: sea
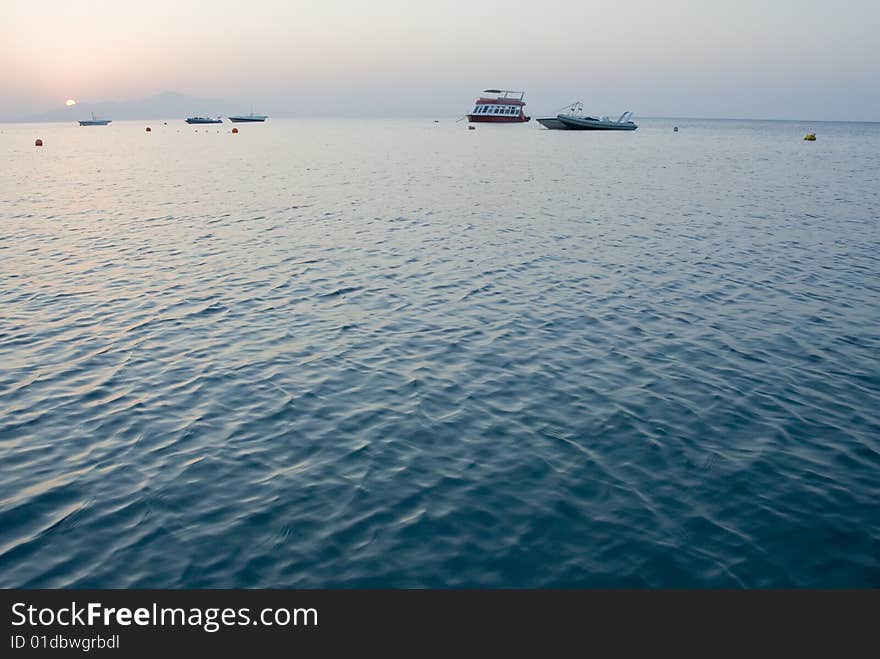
[398, 353]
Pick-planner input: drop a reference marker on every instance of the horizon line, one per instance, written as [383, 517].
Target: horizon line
[450, 116]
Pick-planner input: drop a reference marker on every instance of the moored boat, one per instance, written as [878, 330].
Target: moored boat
[243, 118]
[575, 119]
[502, 107]
[94, 121]
[204, 120]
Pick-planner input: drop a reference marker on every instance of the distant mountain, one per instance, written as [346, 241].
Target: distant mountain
[168, 105]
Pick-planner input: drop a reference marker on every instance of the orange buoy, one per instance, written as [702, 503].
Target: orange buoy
[38, 143]
[235, 130]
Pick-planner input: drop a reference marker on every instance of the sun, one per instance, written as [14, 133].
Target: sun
[70, 102]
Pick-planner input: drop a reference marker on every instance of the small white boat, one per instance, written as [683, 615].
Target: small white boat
[204, 120]
[248, 118]
[575, 119]
[94, 121]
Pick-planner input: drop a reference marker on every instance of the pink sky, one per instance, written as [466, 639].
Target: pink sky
[750, 58]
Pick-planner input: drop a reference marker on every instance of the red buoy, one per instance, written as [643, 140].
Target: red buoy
[149, 129]
[38, 143]
[235, 130]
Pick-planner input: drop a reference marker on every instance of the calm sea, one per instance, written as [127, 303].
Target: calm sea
[349, 353]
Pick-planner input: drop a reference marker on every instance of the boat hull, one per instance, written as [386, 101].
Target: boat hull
[490, 119]
[552, 123]
[99, 122]
[247, 120]
[204, 121]
[579, 123]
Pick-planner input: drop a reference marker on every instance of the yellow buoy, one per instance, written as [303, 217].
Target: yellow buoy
[811, 137]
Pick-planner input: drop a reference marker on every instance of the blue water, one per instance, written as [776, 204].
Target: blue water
[347, 353]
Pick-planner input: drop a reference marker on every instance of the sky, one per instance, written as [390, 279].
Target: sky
[799, 59]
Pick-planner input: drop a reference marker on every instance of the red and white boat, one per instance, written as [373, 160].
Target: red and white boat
[502, 107]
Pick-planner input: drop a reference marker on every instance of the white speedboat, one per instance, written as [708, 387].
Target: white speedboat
[204, 120]
[575, 119]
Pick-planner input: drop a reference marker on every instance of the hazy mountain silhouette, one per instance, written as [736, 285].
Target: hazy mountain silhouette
[168, 105]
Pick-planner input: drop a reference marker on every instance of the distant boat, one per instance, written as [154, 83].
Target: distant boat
[503, 107]
[248, 118]
[575, 119]
[94, 121]
[204, 120]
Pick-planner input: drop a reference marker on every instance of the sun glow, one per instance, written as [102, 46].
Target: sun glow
[70, 102]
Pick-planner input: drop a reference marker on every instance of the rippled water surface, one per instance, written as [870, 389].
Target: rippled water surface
[345, 353]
